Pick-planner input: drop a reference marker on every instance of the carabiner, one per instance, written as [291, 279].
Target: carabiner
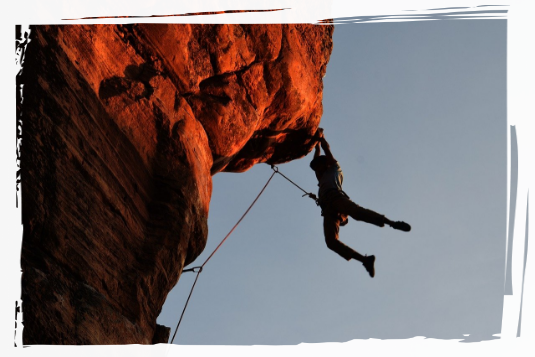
[193, 269]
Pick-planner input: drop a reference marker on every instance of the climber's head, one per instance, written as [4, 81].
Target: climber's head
[319, 163]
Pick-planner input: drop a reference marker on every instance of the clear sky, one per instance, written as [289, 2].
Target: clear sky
[415, 113]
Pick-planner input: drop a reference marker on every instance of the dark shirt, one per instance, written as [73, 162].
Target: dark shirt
[331, 179]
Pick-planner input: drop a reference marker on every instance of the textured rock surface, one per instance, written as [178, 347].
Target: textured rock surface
[123, 127]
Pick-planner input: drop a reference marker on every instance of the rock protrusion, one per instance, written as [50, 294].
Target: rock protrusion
[123, 127]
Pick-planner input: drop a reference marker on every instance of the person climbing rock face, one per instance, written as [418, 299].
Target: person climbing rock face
[336, 205]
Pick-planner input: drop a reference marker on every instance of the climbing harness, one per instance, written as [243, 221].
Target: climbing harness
[198, 269]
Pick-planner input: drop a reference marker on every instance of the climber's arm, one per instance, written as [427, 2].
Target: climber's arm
[325, 146]
[317, 149]
[317, 137]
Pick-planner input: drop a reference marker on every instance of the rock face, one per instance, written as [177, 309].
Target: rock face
[123, 127]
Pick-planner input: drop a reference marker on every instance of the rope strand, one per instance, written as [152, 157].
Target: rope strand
[215, 250]
[200, 268]
[309, 194]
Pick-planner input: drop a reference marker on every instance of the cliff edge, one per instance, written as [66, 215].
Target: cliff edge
[123, 128]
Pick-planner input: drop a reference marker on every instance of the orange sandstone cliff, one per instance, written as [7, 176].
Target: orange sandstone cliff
[123, 127]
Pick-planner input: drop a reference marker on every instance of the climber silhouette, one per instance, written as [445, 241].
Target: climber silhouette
[336, 205]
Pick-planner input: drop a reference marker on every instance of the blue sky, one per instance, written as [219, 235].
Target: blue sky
[415, 113]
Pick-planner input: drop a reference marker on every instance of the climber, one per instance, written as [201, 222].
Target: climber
[336, 205]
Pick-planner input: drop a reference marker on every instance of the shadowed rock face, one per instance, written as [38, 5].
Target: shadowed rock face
[123, 127]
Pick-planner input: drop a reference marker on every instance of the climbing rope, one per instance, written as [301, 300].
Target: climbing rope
[309, 194]
[199, 269]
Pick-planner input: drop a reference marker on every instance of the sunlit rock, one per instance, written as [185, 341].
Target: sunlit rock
[123, 128]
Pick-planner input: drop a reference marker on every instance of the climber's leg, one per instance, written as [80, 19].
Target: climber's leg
[331, 228]
[345, 206]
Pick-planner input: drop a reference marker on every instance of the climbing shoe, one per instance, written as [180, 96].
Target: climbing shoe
[402, 226]
[369, 264]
